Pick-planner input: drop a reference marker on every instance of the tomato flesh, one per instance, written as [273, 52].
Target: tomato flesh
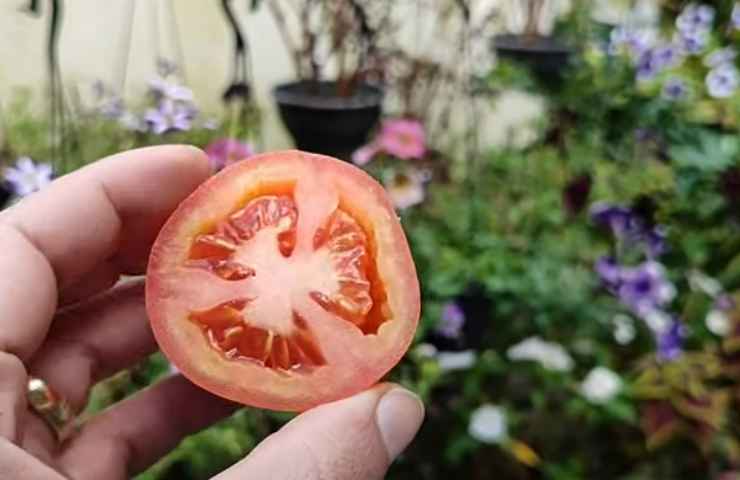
[269, 221]
[287, 281]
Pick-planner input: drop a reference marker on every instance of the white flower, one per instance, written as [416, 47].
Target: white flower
[658, 321]
[27, 177]
[488, 424]
[426, 350]
[451, 361]
[624, 329]
[407, 189]
[600, 385]
[718, 322]
[551, 356]
[699, 281]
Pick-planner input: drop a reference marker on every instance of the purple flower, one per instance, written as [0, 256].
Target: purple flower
[655, 241]
[652, 61]
[670, 341]
[723, 81]
[452, 321]
[619, 219]
[632, 40]
[735, 17]
[724, 303]
[109, 104]
[163, 89]
[645, 288]
[112, 108]
[720, 57]
[667, 55]
[627, 225]
[694, 42]
[226, 151]
[647, 65]
[27, 177]
[609, 272]
[169, 116]
[695, 17]
[675, 89]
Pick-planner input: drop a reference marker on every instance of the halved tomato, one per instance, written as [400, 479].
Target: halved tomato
[283, 282]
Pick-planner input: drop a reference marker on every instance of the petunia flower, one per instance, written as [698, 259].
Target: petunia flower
[695, 17]
[675, 89]
[363, 155]
[735, 16]
[226, 151]
[488, 424]
[723, 81]
[169, 116]
[402, 138]
[670, 342]
[166, 89]
[551, 356]
[451, 321]
[27, 177]
[720, 57]
[600, 385]
[406, 189]
[645, 288]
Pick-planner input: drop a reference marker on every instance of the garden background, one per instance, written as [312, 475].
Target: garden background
[567, 172]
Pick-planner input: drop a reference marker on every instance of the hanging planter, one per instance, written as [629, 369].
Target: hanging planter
[332, 117]
[321, 120]
[546, 56]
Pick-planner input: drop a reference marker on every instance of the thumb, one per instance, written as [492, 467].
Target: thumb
[354, 438]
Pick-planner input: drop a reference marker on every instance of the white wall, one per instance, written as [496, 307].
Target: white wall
[93, 32]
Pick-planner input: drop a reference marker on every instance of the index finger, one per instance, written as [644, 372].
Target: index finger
[109, 211]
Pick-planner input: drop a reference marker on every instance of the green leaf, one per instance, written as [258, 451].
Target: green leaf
[711, 153]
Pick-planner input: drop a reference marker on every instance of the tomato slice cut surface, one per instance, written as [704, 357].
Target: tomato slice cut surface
[283, 282]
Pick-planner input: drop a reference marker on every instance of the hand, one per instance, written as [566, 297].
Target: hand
[66, 319]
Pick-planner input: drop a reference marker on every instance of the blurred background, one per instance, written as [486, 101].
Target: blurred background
[567, 173]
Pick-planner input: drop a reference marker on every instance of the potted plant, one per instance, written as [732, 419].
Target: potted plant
[332, 116]
[546, 55]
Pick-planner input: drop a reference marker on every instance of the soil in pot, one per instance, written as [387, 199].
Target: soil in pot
[322, 121]
[547, 57]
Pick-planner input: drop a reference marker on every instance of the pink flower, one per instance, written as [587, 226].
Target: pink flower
[225, 151]
[402, 138]
[363, 155]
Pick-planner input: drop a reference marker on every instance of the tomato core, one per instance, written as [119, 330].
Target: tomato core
[259, 240]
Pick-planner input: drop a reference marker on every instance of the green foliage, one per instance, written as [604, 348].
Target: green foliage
[509, 231]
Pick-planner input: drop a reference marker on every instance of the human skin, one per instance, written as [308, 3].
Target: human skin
[66, 317]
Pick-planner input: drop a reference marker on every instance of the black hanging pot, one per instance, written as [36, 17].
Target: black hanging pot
[322, 121]
[546, 57]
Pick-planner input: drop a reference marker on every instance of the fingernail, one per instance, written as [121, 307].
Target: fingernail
[399, 415]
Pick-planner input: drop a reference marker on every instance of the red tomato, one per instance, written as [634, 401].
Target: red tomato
[283, 282]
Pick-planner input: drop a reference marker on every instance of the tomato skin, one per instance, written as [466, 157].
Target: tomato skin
[356, 360]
